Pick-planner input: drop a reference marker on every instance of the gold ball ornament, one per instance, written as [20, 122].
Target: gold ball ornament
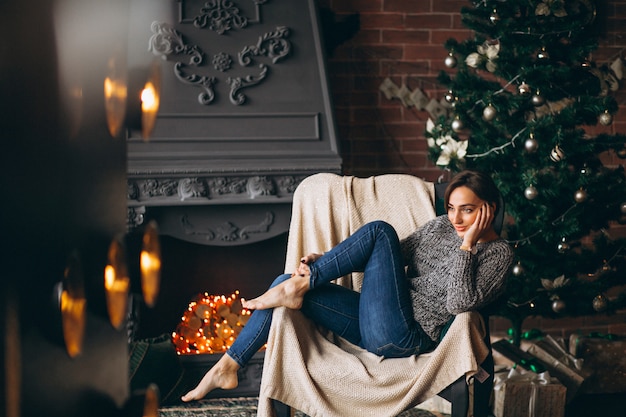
[622, 207]
[524, 89]
[563, 246]
[489, 113]
[621, 153]
[557, 154]
[543, 54]
[449, 96]
[450, 61]
[494, 17]
[600, 303]
[531, 192]
[605, 118]
[580, 196]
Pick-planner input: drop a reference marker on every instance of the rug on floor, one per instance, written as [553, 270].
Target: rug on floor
[240, 407]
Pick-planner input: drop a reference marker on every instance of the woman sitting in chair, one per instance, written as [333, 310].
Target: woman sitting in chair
[411, 288]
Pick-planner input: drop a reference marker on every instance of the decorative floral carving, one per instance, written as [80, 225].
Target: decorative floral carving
[190, 188]
[222, 61]
[168, 43]
[220, 16]
[260, 186]
[135, 217]
[272, 45]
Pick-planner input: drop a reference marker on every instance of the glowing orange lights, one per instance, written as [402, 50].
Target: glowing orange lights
[150, 264]
[116, 284]
[210, 324]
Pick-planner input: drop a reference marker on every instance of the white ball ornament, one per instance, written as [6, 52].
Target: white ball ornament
[450, 61]
[489, 113]
[457, 125]
[531, 192]
[531, 145]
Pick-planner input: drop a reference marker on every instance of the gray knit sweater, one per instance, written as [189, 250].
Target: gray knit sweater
[445, 280]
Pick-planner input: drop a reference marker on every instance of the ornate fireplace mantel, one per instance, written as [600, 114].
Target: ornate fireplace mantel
[245, 115]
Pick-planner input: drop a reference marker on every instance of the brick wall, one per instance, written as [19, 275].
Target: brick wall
[403, 40]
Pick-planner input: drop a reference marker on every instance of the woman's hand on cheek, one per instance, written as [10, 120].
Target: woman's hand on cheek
[482, 222]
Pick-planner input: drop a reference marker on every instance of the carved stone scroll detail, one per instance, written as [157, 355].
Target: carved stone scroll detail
[227, 231]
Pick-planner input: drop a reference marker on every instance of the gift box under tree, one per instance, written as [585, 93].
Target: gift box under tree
[526, 394]
[604, 360]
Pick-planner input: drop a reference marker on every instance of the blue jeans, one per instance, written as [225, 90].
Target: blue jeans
[378, 319]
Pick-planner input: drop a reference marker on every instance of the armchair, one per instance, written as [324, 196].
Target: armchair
[322, 375]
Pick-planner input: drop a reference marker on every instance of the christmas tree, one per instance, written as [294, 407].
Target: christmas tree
[528, 104]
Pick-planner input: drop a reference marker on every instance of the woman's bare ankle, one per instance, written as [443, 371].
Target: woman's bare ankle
[222, 375]
[289, 293]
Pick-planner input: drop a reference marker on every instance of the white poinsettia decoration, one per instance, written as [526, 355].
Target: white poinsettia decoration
[558, 282]
[548, 7]
[487, 54]
[449, 148]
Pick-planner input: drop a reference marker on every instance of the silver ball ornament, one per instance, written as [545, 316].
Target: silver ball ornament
[518, 269]
[531, 192]
[531, 145]
[558, 305]
[600, 303]
[580, 196]
[605, 118]
[450, 61]
[538, 100]
[489, 113]
[622, 207]
[457, 125]
[557, 154]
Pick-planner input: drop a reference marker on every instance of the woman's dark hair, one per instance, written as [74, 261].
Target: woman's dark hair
[480, 183]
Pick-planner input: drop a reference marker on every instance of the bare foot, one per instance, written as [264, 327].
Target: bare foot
[289, 294]
[222, 375]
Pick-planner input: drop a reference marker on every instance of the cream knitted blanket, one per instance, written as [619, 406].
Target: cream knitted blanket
[325, 376]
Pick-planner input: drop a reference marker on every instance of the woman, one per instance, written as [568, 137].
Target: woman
[454, 263]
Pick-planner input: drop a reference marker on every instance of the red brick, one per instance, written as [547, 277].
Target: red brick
[449, 6]
[424, 52]
[429, 21]
[407, 6]
[406, 36]
[439, 37]
[382, 20]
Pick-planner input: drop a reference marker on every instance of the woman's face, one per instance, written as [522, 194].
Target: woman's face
[463, 208]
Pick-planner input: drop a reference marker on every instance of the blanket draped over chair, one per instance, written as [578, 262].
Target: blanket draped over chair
[322, 375]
